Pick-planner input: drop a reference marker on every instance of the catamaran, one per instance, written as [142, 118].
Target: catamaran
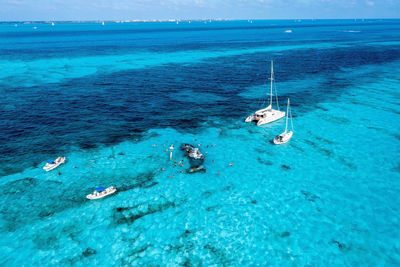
[285, 136]
[268, 114]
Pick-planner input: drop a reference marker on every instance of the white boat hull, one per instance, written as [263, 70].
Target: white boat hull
[250, 118]
[285, 138]
[267, 114]
[49, 167]
[271, 116]
[109, 191]
[262, 111]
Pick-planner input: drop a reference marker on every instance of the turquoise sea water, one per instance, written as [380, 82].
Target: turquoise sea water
[113, 98]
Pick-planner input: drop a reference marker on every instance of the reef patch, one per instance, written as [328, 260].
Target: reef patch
[128, 215]
[88, 252]
[285, 167]
[310, 196]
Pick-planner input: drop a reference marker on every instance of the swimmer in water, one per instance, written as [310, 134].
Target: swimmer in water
[171, 148]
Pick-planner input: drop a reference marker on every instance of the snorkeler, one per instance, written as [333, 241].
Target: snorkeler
[171, 148]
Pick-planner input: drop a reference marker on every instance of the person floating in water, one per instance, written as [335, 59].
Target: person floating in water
[171, 148]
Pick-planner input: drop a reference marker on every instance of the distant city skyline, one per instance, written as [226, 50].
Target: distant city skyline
[58, 10]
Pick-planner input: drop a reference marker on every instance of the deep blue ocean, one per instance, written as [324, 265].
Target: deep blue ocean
[112, 98]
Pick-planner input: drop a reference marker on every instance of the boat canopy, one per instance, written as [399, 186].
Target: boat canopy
[50, 161]
[100, 189]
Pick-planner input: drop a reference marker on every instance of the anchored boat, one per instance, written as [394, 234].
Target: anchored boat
[285, 136]
[268, 114]
[101, 192]
[52, 164]
[192, 152]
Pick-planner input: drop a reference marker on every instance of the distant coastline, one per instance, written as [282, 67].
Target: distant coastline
[181, 20]
[112, 21]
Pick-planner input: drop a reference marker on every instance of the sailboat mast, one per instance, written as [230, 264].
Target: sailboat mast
[287, 113]
[291, 120]
[272, 80]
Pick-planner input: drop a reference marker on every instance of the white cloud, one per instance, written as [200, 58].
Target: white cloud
[14, 2]
[370, 3]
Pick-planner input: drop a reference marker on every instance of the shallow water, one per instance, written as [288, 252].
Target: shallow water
[113, 98]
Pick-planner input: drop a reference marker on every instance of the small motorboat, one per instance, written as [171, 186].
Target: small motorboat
[52, 164]
[101, 192]
[285, 136]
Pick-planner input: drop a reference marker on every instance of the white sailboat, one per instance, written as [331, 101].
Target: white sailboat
[285, 136]
[268, 114]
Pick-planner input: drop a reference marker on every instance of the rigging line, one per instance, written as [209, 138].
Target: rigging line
[261, 99]
[291, 120]
[276, 94]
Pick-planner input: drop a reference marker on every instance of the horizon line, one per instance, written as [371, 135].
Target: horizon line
[186, 19]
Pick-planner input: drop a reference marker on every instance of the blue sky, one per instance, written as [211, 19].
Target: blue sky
[195, 9]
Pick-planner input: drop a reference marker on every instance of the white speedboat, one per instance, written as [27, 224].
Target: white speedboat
[52, 164]
[268, 114]
[101, 192]
[285, 136]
